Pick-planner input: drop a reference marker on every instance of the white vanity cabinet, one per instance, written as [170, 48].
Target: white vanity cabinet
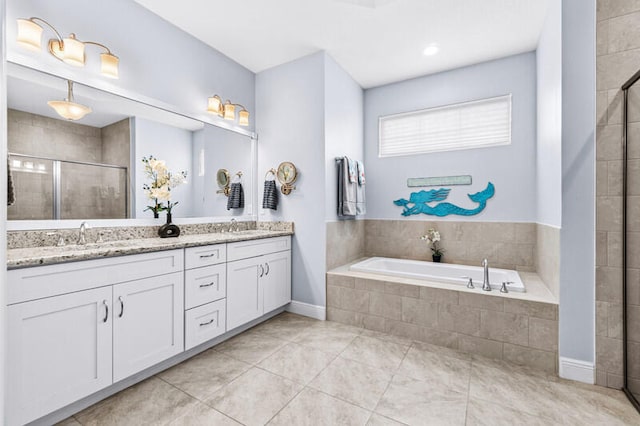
[68, 341]
[59, 351]
[205, 288]
[147, 323]
[258, 278]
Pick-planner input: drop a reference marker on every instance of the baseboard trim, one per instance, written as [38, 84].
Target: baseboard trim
[307, 310]
[575, 369]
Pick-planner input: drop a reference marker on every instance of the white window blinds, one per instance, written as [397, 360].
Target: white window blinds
[477, 124]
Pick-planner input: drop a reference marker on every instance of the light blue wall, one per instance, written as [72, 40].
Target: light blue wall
[157, 60]
[343, 112]
[511, 168]
[166, 143]
[577, 262]
[290, 122]
[549, 129]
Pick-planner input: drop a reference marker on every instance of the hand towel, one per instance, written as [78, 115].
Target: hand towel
[11, 191]
[236, 197]
[361, 207]
[270, 195]
[353, 170]
[346, 190]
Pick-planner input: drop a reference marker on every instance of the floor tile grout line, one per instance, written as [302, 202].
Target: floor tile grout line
[391, 380]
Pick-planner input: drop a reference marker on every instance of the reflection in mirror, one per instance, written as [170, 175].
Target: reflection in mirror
[92, 168]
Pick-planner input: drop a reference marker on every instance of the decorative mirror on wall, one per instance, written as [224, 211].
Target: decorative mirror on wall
[92, 167]
[287, 175]
[223, 181]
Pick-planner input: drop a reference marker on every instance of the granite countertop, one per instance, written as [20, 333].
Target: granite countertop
[36, 256]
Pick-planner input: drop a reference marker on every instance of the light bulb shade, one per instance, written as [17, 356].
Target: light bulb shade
[214, 105]
[243, 117]
[109, 65]
[73, 51]
[69, 110]
[29, 35]
[229, 111]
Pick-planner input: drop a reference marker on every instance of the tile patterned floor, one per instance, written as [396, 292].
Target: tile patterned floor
[296, 371]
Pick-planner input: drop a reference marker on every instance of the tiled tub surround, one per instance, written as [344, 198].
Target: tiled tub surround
[345, 242]
[526, 247]
[518, 327]
[618, 58]
[25, 250]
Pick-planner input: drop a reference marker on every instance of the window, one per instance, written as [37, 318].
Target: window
[477, 124]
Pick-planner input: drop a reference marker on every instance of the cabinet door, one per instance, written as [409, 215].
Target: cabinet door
[276, 280]
[244, 291]
[148, 323]
[59, 351]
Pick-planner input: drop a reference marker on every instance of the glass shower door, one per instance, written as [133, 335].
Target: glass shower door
[631, 306]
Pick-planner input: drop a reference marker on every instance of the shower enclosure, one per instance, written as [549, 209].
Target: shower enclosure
[631, 238]
[49, 188]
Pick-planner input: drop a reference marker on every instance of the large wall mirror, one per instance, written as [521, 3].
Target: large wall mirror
[92, 168]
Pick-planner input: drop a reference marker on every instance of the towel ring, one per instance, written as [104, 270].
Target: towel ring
[272, 172]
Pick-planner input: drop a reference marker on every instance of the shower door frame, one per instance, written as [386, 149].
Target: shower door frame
[625, 103]
[56, 172]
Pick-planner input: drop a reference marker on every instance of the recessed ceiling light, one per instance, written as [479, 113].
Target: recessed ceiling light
[431, 49]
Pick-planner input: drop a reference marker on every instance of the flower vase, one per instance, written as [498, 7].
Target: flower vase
[155, 215]
[437, 257]
[168, 230]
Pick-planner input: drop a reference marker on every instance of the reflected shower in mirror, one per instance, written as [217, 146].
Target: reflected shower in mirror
[92, 168]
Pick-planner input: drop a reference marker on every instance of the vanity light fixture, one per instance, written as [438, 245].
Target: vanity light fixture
[67, 108]
[227, 110]
[68, 49]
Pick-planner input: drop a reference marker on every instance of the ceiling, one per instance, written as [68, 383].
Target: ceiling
[375, 41]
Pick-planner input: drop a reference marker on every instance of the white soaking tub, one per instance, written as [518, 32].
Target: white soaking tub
[440, 272]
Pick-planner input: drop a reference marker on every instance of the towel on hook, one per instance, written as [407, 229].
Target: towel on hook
[353, 170]
[361, 207]
[11, 190]
[270, 195]
[236, 196]
[346, 190]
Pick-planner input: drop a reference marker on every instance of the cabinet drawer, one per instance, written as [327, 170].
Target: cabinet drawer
[195, 257]
[51, 280]
[246, 249]
[204, 323]
[204, 285]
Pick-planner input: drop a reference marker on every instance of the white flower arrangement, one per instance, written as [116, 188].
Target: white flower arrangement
[162, 182]
[433, 237]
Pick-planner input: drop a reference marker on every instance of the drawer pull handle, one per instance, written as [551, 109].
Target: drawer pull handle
[202, 324]
[204, 256]
[106, 314]
[121, 307]
[267, 266]
[207, 285]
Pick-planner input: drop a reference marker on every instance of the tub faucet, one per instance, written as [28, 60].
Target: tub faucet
[486, 286]
[81, 234]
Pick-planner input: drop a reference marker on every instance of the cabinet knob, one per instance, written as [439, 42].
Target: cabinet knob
[261, 270]
[106, 313]
[266, 266]
[121, 307]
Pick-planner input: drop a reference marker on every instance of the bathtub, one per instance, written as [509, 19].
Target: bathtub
[440, 272]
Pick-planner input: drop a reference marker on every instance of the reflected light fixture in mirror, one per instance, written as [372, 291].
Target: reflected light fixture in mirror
[69, 49]
[227, 110]
[68, 109]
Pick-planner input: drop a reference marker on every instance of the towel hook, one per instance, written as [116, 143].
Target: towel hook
[271, 171]
[238, 175]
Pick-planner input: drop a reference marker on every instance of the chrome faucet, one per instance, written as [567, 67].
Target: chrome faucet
[81, 234]
[486, 286]
[231, 225]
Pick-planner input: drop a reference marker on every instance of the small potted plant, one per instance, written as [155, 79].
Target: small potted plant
[433, 237]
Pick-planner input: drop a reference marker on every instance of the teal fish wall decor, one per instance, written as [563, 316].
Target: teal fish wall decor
[421, 199]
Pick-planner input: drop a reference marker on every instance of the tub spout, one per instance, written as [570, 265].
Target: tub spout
[486, 286]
